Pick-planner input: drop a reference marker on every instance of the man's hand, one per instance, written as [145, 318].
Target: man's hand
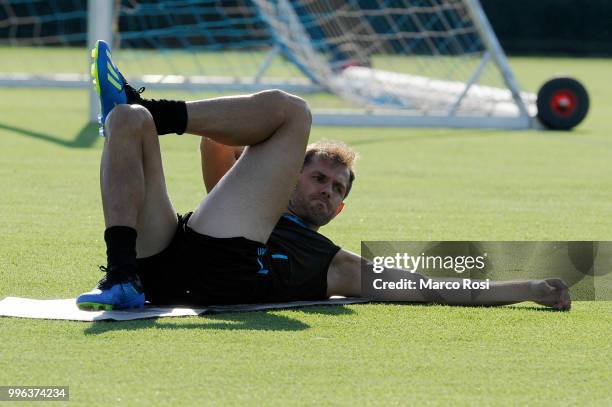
[238, 151]
[552, 292]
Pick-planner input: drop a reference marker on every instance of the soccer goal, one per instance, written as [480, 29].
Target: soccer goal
[412, 63]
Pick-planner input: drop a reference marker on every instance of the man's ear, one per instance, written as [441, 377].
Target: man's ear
[339, 208]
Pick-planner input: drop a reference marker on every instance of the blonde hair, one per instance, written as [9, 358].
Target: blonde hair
[337, 152]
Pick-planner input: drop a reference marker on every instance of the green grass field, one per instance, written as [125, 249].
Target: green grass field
[411, 185]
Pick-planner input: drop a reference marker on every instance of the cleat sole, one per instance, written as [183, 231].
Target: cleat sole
[94, 68]
[96, 306]
[96, 82]
[92, 306]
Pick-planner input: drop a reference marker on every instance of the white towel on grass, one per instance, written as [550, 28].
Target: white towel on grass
[66, 309]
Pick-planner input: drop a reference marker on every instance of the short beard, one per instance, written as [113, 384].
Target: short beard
[302, 211]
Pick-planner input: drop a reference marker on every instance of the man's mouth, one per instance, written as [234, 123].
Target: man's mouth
[321, 201]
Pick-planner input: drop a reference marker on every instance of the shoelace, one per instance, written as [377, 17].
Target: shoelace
[113, 276]
[133, 95]
[108, 280]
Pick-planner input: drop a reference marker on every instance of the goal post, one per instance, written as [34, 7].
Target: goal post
[399, 63]
[99, 27]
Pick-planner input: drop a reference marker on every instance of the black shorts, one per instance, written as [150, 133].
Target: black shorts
[196, 269]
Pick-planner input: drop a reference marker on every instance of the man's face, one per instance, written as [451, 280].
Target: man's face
[320, 190]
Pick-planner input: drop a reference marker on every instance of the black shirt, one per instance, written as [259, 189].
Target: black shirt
[300, 257]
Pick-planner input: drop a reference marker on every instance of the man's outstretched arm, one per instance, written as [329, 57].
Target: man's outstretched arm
[344, 278]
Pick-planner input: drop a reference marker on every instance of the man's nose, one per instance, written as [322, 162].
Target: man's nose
[327, 189]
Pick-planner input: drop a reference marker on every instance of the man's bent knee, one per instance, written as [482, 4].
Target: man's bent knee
[300, 110]
[130, 119]
[296, 108]
[285, 105]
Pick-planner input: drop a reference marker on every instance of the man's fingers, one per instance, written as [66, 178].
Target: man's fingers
[561, 291]
[565, 302]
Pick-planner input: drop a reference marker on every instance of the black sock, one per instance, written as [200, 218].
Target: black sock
[120, 246]
[170, 116]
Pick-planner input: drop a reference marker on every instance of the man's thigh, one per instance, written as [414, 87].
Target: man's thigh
[251, 197]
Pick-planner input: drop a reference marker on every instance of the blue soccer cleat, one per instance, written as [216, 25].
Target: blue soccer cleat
[117, 290]
[107, 80]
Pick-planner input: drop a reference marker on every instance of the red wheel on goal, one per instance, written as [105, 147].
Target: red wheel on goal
[562, 103]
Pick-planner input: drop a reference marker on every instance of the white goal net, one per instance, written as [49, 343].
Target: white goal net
[423, 63]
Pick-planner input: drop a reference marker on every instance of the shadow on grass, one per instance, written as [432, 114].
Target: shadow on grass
[534, 308]
[237, 321]
[334, 310]
[86, 137]
[517, 306]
